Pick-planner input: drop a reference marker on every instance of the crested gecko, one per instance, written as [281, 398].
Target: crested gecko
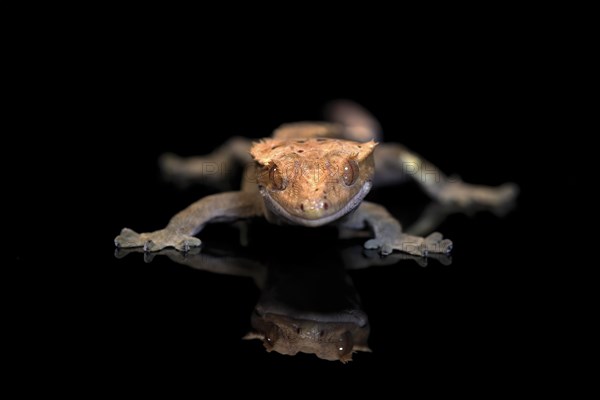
[312, 174]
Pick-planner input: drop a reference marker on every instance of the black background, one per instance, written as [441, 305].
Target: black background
[466, 112]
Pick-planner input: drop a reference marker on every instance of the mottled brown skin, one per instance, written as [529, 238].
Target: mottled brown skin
[312, 174]
[328, 340]
[313, 182]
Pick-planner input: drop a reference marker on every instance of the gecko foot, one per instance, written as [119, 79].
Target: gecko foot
[155, 241]
[416, 245]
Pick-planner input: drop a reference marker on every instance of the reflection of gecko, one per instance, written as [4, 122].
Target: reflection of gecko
[312, 174]
[308, 302]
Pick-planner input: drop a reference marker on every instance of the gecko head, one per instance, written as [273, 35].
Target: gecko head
[315, 181]
[330, 337]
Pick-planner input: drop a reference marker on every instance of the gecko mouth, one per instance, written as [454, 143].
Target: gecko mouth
[279, 210]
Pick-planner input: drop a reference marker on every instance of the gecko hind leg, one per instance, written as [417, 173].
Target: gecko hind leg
[394, 163]
[215, 169]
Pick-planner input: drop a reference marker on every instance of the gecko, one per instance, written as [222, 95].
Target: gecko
[314, 174]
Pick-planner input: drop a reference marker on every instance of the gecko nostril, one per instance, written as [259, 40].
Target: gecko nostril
[325, 205]
[302, 207]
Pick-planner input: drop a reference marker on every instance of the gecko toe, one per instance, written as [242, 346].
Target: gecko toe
[386, 249]
[127, 238]
[372, 244]
[149, 245]
[188, 243]
[446, 246]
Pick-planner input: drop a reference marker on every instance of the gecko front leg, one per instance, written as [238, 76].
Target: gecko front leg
[180, 231]
[213, 169]
[388, 233]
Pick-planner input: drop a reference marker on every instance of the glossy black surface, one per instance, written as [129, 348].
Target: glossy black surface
[137, 316]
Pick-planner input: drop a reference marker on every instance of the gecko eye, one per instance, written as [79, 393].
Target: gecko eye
[271, 336]
[345, 344]
[350, 172]
[278, 182]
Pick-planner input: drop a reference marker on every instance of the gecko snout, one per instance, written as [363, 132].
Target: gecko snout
[314, 208]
